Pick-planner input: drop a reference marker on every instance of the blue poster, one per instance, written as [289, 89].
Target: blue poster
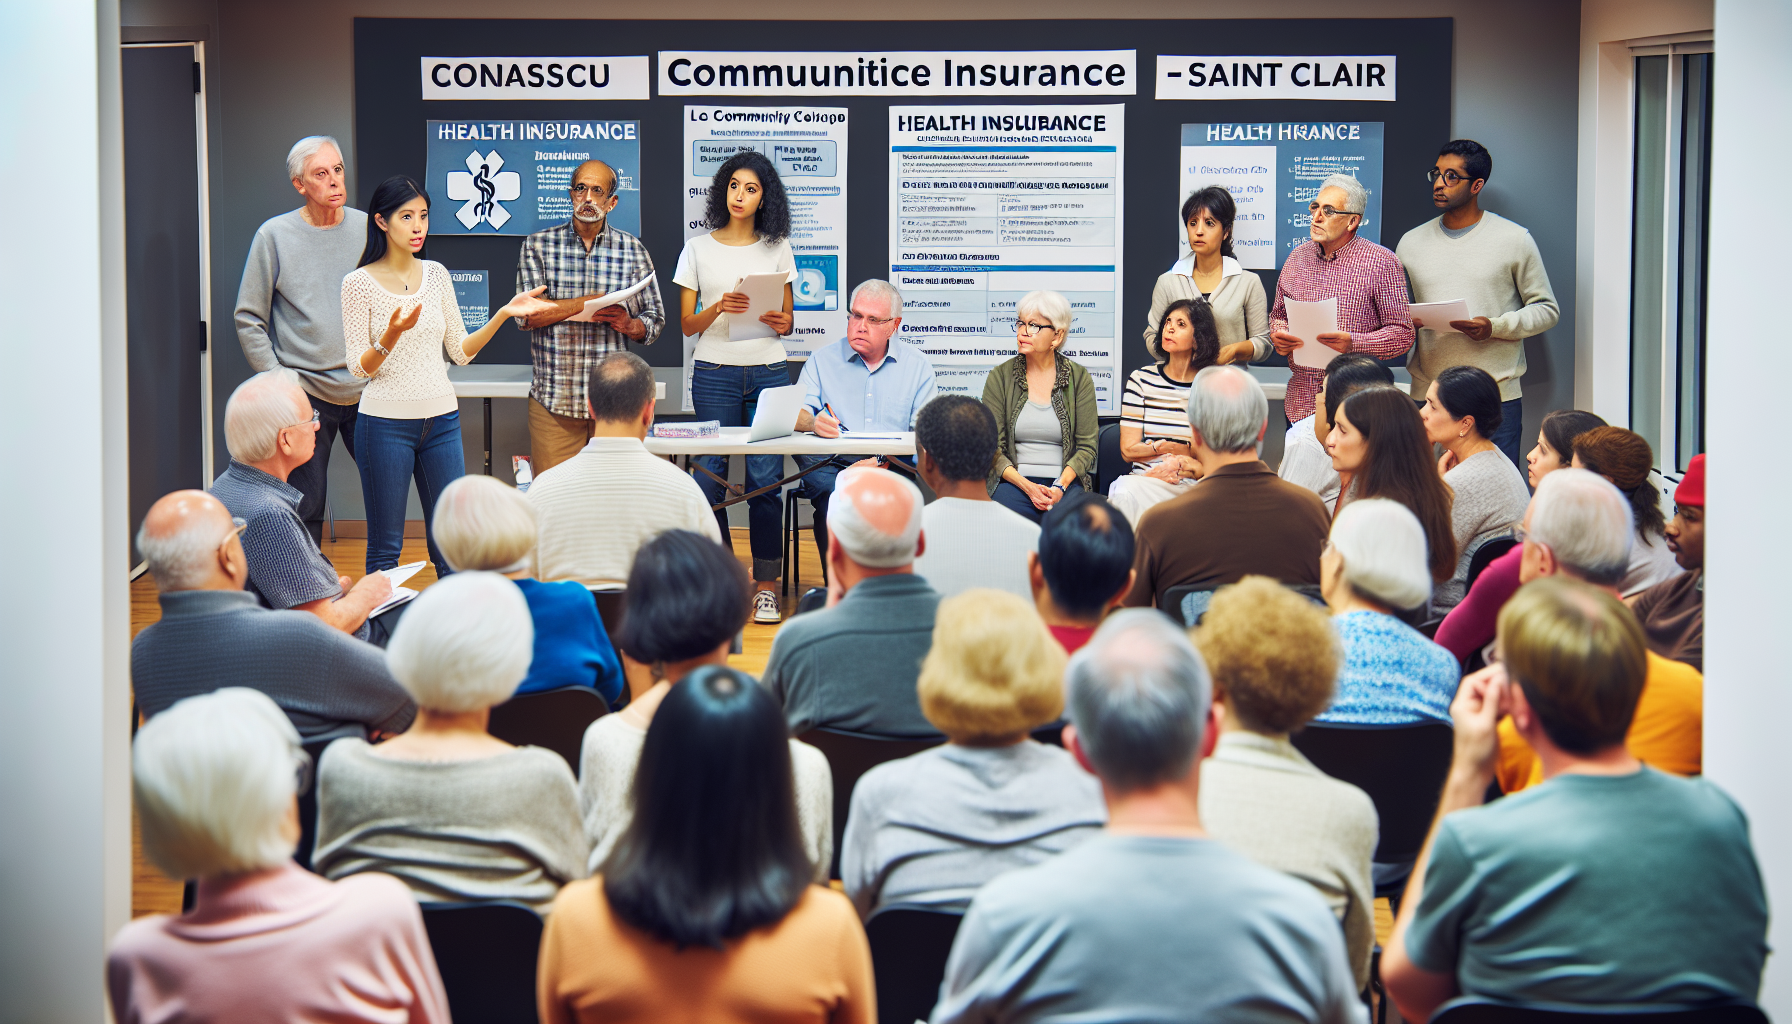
[1273, 170]
[473, 294]
[513, 177]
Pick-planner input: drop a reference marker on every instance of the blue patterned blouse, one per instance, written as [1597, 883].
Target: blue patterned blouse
[1392, 675]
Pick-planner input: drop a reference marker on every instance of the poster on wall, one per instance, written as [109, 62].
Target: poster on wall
[473, 294]
[513, 177]
[988, 203]
[1273, 170]
[807, 145]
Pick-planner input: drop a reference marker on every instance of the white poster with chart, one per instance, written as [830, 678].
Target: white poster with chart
[988, 203]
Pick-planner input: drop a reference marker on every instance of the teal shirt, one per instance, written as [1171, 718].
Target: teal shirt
[1618, 891]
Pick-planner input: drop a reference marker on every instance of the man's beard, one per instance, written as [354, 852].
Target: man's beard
[595, 216]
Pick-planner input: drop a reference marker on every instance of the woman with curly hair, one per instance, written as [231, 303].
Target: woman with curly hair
[1154, 435]
[749, 221]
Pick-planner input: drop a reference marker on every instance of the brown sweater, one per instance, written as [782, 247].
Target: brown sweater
[1241, 520]
[811, 967]
[1673, 616]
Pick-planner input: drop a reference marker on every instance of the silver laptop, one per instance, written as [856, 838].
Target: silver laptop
[776, 413]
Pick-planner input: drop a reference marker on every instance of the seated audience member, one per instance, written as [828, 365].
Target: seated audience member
[1242, 520]
[1151, 920]
[1044, 405]
[593, 510]
[1083, 568]
[212, 634]
[1462, 413]
[1305, 460]
[1373, 568]
[1610, 886]
[483, 524]
[1273, 657]
[271, 430]
[687, 598]
[932, 828]
[704, 910]
[972, 541]
[216, 780]
[1469, 626]
[853, 664]
[1379, 449]
[1579, 526]
[447, 808]
[1624, 458]
[869, 380]
[1154, 410]
[1673, 613]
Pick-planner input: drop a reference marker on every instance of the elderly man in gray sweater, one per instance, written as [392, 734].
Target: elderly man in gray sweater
[289, 306]
[213, 634]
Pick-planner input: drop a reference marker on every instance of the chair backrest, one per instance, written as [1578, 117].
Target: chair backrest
[609, 598]
[813, 599]
[486, 953]
[1481, 1012]
[1486, 552]
[1189, 601]
[555, 719]
[1109, 463]
[1402, 768]
[308, 807]
[909, 947]
[852, 754]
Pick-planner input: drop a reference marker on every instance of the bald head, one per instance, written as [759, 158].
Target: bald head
[875, 517]
[599, 180]
[182, 540]
[1226, 406]
[259, 409]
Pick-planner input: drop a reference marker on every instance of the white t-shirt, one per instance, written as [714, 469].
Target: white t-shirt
[975, 544]
[712, 270]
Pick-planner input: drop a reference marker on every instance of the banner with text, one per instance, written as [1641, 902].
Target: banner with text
[1275, 78]
[515, 177]
[988, 203]
[899, 73]
[536, 78]
[473, 294]
[1273, 170]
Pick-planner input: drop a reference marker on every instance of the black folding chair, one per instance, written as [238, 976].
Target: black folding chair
[486, 954]
[852, 754]
[555, 719]
[909, 947]
[1485, 553]
[1487, 1012]
[1187, 602]
[1109, 463]
[609, 600]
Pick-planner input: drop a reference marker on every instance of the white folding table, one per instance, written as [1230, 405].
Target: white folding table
[733, 441]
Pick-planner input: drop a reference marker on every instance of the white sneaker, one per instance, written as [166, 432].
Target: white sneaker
[765, 607]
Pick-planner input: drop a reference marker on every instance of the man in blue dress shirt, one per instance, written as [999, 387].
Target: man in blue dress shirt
[869, 380]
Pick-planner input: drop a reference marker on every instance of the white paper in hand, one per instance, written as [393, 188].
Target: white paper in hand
[400, 595]
[1307, 321]
[765, 294]
[589, 313]
[1437, 316]
[403, 572]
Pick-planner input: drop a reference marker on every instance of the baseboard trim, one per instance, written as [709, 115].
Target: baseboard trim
[356, 529]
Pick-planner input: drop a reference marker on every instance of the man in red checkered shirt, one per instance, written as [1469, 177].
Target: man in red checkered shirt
[1366, 279]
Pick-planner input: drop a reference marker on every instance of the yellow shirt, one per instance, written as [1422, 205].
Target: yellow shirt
[1667, 732]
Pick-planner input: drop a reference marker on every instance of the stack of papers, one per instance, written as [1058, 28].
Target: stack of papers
[1307, 321]
[400, 595]
[589, 313]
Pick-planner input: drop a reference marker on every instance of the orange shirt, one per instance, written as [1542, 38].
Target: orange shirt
[1667, 732]
[813, 966]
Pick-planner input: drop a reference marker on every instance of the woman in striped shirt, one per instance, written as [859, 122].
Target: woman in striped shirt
[1154, 433]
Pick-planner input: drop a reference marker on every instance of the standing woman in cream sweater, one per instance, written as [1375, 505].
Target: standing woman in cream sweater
[398, 317]
[1211, 273]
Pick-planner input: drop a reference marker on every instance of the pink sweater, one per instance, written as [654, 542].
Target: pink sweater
[281, 944]
[1470, 625]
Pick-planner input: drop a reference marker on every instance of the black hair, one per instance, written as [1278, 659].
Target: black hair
[713, 851]
[387, 198]
[687, 595]
[1217, 201]
[1471, 391]
[620, 385]
[772, 220]
[1207, 333]
[1475, 157]
[959, 433]
[1349, 373]
[1561, 427]
[1398, 466]
[1085, 552]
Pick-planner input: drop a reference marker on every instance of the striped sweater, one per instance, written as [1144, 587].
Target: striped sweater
[595, 509]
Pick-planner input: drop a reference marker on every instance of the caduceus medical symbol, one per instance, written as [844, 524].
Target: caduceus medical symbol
[485, 187]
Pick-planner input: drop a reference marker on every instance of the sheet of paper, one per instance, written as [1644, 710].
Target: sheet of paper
[1307, 321]
[399, 574]
[1437, 316]
[399, 596]
[765, 294]
[609, 299]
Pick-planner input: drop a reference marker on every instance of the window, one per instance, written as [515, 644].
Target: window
[1671, 200]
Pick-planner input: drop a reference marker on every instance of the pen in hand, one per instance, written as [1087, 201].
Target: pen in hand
[825, 407]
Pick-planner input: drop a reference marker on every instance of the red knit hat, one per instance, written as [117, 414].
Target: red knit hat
[1692, 486]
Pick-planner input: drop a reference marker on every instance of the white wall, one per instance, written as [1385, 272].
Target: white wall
[64, 610]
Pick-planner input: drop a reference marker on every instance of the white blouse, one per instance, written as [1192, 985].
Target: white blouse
[412, 383]
[712, 270]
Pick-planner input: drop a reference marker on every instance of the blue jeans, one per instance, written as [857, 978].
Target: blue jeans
[1511, 431]
[1015, 500]
[312, 479]
[390, 453]
[730, 394]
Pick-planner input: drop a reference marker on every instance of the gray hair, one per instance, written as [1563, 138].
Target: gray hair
[878, 288]
[1384, 551]
[1226, 405]
[213, 777]
[1356, 197]
[483, 524]
[180, 559]
[304, 150]
[1586, 522]
[259, 409]
[1139, 695]
[464, 644]
[1049, 304]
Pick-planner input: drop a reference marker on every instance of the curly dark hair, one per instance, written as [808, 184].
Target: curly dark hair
[1207, 333]
[772, 219]
[959, 433]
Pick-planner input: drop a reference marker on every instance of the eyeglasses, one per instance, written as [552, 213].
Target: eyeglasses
[237, 526]
[1520, 534]
[856, 317]
[316, 418]
[1027, 328]
[594, 191]
[1451, 178]
[1322, 212]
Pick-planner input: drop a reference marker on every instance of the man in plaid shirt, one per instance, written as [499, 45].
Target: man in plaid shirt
[1366, 278]
[579, 260]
